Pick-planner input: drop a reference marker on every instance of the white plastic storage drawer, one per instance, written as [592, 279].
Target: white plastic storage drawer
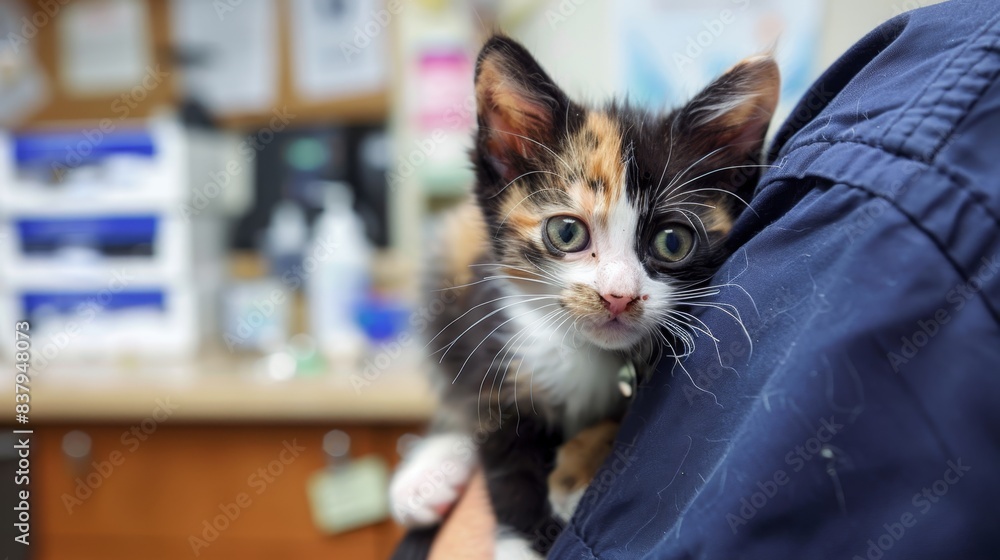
[83, 165]
[42, 246]
[103, 321]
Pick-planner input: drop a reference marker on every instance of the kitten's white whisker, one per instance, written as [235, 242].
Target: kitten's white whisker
[517, 409]
[718, 352]
[692, 203]
[727, 168]
[668, 189]
[486, 375]
[745, 292]
[487, 337]
[488, 278]
[471, 309]
[670, 152]
[667, 204]
[686, 372]
[509, 345]
[531, 387]
[521, 176]
[547, 273]
[551, 151]
[533, 193]
[689, 297]
[559, 326]
[544, 273]
[736, 317]
[687, 214]
[674, 354]
[701, 327]
[451, 344]
[521, 269]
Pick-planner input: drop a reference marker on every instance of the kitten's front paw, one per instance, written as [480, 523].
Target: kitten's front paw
[431, 479]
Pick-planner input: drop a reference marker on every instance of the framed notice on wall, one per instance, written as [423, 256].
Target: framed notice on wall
[104, 46]
[339, 48]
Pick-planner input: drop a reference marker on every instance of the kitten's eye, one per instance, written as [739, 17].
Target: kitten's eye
[672, 244]
[566, 234]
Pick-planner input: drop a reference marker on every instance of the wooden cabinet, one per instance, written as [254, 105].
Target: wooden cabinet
[134, 498]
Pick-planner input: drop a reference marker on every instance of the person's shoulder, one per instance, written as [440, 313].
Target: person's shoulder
[904, 87]
[907, 116]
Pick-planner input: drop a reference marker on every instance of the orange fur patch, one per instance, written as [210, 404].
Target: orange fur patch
[604, 162]
[579, 459]
[596, 151]
[465, 241]
[718, 220]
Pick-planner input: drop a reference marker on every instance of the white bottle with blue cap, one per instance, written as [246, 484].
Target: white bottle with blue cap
[339, 257]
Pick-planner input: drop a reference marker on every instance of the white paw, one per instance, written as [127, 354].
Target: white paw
[511, 547]
[431, 479]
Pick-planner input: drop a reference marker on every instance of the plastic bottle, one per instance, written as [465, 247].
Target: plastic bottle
[285, 238]
[339, 283]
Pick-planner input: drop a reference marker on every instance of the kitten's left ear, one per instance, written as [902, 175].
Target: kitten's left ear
[520, 108]
[733, 113]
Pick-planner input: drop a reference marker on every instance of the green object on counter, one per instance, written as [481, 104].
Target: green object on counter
[350, 495]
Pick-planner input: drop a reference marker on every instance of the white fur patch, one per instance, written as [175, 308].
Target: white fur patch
[564, 504]
[508, 546]
[571, 371]
[431, 479]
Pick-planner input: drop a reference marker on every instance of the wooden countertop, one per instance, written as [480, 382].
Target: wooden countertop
[225, 390]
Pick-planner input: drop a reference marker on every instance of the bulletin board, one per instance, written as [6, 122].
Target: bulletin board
[64, 104]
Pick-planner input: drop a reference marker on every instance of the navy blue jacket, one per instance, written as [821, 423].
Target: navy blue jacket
[858, 415]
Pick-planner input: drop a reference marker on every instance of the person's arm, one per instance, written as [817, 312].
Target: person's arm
[467, 533]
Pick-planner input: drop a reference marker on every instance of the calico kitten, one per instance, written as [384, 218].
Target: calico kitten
[592, 229]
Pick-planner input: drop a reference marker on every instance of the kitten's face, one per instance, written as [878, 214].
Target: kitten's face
[616, 212]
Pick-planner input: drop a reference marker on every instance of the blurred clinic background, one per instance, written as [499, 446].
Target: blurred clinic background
[213, 214]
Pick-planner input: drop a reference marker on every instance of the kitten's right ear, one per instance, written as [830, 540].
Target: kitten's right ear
[520, 109]
[733, 113]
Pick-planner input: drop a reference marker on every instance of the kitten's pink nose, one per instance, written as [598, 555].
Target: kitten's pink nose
[617, 304]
